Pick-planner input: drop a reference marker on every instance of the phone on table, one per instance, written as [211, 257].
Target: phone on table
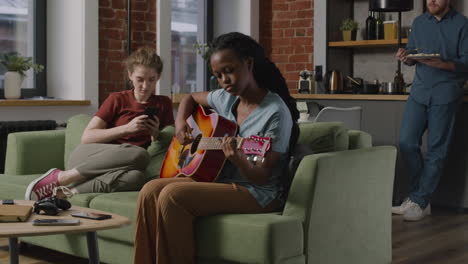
[56, 222]
[151, 112]
[91, 215]
[8, 202]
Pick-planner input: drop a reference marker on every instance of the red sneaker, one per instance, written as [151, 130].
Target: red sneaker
[43, 186]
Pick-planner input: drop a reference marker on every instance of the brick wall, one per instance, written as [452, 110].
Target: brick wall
[287, 33]
[113, 39]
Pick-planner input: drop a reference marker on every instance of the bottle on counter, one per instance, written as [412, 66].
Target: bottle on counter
[379, 26]
[399, 82]
[371, 27]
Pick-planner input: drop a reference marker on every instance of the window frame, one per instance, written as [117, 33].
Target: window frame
[164, 45]
[204, 36]
[40, 49]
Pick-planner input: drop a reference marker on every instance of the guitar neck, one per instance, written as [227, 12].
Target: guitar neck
[214, 143]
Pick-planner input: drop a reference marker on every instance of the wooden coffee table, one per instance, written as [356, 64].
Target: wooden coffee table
[18, 229]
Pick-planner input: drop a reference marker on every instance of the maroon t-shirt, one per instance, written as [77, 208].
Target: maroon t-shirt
[121, 107]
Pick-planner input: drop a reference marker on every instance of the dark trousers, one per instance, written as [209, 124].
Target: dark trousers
[426, 171]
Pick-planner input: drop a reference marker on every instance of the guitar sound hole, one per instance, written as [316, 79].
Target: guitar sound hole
[194, 146]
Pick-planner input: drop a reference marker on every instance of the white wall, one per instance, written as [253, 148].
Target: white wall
[239, 15]
[72, 61]
[320, 34]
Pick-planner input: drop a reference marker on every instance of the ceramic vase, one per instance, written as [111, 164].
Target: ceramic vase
[12, 85]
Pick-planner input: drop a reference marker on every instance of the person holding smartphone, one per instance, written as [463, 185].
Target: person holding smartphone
[112, 155]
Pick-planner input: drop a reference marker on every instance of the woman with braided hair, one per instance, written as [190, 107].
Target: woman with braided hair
[255, 96]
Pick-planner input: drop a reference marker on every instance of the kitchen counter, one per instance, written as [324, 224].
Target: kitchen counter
[376, 97]
[386, 97]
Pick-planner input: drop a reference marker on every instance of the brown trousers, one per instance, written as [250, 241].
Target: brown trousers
[109, 167]
[166, 211]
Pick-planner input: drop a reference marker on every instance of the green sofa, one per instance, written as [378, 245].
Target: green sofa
[337, 210]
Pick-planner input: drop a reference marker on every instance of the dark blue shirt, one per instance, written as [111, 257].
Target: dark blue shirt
[449, 38]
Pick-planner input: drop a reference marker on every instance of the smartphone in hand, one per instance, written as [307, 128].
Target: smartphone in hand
[93, 216]
[151, 112]
[56, 222]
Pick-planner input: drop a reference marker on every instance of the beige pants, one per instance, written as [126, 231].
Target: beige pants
[166, 211]
[109, 167]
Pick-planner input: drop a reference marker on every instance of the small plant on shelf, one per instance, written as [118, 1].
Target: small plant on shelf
[349, 28]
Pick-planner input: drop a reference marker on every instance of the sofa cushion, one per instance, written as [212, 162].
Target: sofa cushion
[121, 203]
[324, 136]
[265, 238]
[14, 187]
[75, 127]
[83, 199]
[157, 151]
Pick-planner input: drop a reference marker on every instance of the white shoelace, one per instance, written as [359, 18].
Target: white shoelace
[65, 190]
[45, 190]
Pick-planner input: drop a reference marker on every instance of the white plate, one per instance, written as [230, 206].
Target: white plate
[421, 56]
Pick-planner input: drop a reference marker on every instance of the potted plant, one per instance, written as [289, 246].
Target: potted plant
[349, 28]
[203, 50]
[16, 66]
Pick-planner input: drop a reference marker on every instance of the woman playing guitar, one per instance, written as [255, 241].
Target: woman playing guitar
[255, 96]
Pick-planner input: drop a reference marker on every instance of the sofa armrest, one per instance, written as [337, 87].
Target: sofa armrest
[344, 199]
[249, 238]
[359, 139]
[34, 152]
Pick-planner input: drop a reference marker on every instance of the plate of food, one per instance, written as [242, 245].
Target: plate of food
[423, 56]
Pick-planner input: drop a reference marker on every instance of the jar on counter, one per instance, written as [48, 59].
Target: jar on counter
[390, 30]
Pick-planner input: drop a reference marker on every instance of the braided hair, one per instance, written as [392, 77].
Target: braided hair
[265, 71]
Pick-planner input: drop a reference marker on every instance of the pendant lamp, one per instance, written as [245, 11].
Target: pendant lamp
[391, 5]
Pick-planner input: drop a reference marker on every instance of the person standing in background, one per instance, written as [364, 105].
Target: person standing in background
[436, 96]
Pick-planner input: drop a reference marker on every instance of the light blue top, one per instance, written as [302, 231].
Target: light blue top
[270, 119]
[449, 38]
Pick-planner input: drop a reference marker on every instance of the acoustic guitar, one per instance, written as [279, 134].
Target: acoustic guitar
[203, 158]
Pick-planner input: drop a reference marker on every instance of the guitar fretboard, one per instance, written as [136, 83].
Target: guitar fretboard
[214, 143]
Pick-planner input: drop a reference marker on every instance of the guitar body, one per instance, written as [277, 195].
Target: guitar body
[201, 165]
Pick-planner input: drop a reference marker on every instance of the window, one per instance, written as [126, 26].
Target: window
[191, 23]
[22, 30]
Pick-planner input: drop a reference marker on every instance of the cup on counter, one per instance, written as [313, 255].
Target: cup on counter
[304, 117]
[390, 30]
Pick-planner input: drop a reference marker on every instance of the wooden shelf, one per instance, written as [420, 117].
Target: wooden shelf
[366, 43]
[382, 97]
[376, 97]
[22, 102]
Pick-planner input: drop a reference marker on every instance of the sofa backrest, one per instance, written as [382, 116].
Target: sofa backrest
[324, 136]
[75, 128]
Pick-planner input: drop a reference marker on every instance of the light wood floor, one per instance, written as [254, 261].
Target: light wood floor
[439, 239]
